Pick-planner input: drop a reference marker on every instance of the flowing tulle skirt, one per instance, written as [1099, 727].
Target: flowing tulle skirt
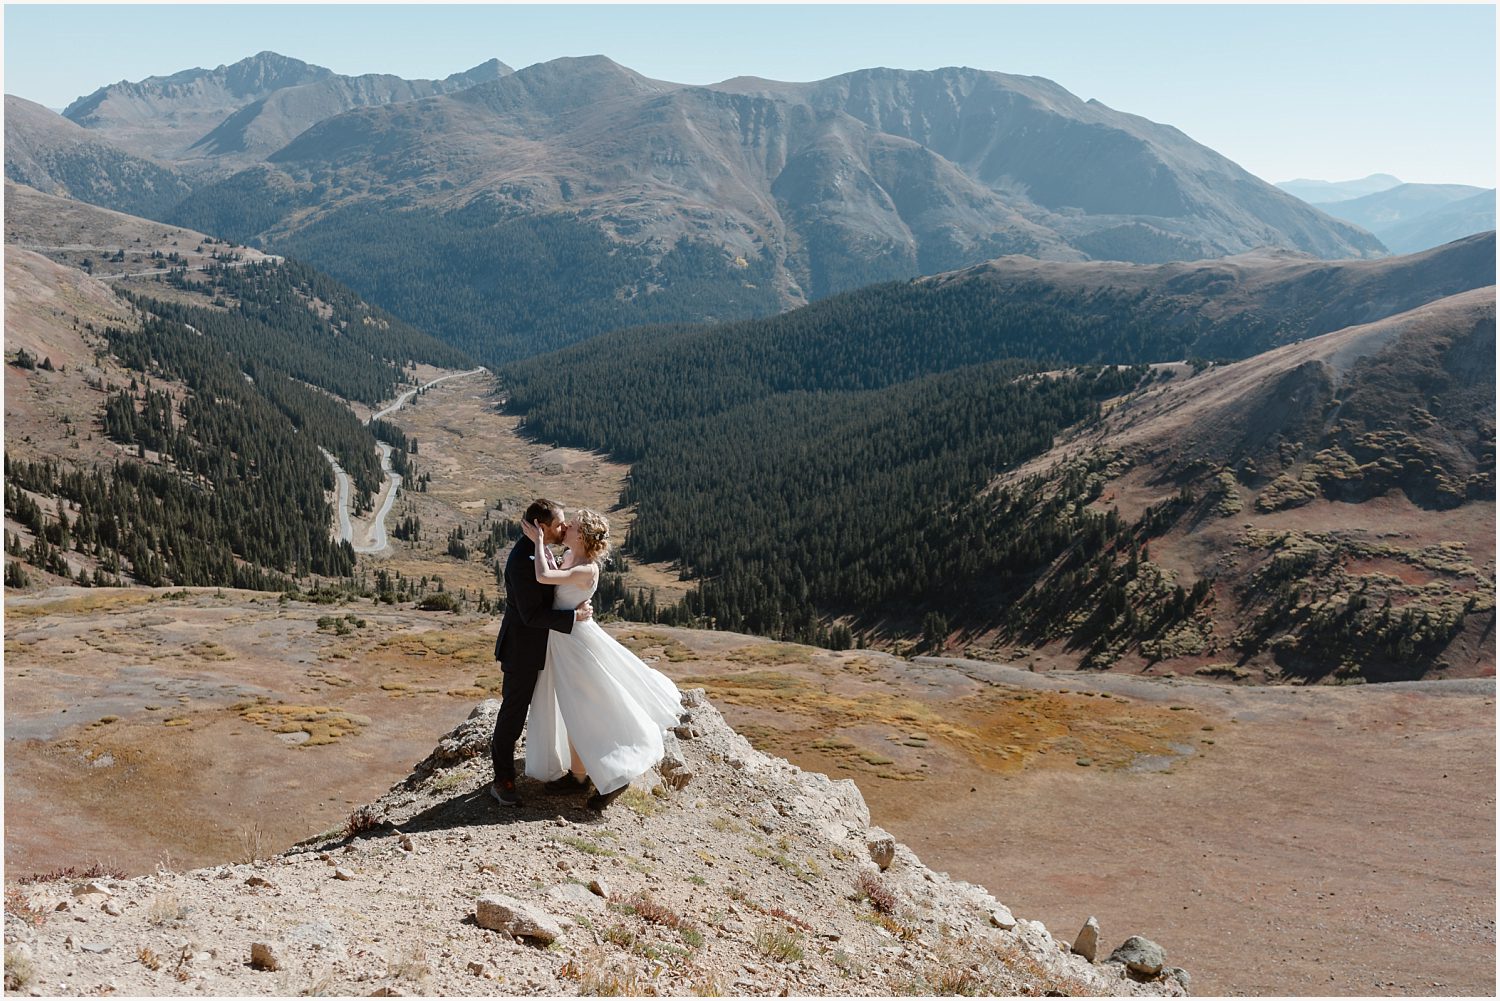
[607, 701]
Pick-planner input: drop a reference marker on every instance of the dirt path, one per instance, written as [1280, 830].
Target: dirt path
[368, 535]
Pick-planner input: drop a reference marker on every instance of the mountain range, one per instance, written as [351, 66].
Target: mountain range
[212, 120]
[1316, 192]
[1406, 217]
[736, 199]
[808, 472]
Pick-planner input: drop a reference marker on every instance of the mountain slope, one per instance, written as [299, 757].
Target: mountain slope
[792, 191]
[174, 416]
[46, 151]
[1468, 215]
[823, 474]
[1324, 511]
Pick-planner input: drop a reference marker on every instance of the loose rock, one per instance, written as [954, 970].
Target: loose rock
[498, 912]
[1001, 917]
[1140, 955]
[882, 848]
[1086, 943]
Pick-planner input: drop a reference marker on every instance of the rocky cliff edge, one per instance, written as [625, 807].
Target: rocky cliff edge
[724, 871]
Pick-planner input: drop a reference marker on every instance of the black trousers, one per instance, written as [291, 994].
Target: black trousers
[515, 699]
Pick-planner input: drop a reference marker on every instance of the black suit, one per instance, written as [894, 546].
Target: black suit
[521, 649]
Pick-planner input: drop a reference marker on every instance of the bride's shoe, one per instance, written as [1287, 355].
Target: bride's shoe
[600, 800]
[568, 783]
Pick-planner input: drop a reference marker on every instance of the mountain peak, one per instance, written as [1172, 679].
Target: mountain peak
[490, 69]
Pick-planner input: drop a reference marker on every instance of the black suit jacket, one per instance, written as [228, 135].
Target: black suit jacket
[522, 643]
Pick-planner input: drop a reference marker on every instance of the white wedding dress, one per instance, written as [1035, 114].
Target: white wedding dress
[599, 694]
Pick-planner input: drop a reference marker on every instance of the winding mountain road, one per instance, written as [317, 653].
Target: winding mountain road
[372, 536]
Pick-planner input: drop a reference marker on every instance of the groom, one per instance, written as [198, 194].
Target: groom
[521, 647]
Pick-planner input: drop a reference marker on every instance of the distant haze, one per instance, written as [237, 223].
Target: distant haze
[1302, 92]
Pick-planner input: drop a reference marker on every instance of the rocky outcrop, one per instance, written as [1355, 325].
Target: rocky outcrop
[753, 878]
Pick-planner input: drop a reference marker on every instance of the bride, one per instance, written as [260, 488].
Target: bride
[598, 712]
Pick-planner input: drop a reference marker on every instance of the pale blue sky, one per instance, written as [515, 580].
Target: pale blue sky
[1333, 92]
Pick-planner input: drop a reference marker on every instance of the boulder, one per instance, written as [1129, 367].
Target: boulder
[1086, 942]
[498, 912]
[1140, 955]
[882, 847]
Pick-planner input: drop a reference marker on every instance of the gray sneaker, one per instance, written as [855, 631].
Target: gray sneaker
[503, 791]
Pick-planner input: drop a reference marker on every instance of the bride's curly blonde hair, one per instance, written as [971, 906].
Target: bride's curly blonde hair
[593, 529]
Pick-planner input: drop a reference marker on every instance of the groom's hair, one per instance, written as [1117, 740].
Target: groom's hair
[542, 510]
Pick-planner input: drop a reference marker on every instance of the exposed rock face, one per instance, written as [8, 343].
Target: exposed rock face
[661, 872]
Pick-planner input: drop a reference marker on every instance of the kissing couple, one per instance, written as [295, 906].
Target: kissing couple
[597, 711]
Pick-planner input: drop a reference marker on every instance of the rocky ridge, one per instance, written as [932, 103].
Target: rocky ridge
[722, 871]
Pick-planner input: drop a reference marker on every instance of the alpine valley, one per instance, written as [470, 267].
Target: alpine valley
[1021, 459]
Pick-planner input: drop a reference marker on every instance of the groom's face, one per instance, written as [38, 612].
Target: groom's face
[553, 530]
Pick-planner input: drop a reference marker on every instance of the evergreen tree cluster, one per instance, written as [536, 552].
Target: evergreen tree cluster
[615, 391]
[239, 495]
[161, 528]
[304, 324]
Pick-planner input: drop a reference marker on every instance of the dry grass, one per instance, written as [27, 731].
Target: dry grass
[779, 944]
[647, 909]
[1034, 979]
[95, 871]
[772, 653]
[410, 964]
[322, 724]
[165, 909]
[597, 976]
[253, 844]
[148, 959]
[18, 971]
[640, 802]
